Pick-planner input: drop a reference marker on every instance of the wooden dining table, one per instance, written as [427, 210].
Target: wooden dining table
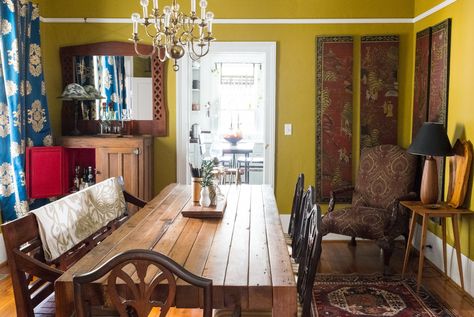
[244, 252]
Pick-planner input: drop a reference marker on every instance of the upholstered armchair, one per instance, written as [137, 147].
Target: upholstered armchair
[386, 176]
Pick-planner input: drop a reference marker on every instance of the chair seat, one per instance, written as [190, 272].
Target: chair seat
[362, 222]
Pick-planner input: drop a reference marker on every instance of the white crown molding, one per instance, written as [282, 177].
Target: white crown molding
[433, 10]
[316, 21]
[420, 17]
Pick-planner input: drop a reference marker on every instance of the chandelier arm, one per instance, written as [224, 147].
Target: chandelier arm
[148, 32]
[165, 58]
[201, 54]
[141, 54]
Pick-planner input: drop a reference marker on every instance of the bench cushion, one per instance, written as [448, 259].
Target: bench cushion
[66, 222]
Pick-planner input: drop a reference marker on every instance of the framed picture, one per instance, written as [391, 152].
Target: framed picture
[439, 85]
[379, 90]
[334, 60]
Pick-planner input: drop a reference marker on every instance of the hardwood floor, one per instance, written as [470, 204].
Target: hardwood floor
[337, 257]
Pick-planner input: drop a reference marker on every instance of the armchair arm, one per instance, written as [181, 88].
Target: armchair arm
[333, 194]
[134, 200]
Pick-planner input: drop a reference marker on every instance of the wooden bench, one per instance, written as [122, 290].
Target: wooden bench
[33, 276]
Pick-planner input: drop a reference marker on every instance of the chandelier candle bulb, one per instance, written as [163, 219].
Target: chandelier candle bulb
[135, 19]
[144, 4]
[193, 6]
[155, 4]
[203, 5]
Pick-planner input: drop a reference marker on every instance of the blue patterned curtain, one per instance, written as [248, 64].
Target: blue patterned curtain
[112, 83]
[24, 117]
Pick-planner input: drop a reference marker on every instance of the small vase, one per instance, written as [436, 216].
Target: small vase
[212, 195]
[205, 200]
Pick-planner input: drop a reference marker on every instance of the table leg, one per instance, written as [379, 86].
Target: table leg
[409, 242]
[457, 245]
[422, 254]
[443, 235]
[284, 302]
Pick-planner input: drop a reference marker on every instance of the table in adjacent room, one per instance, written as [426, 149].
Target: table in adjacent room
[244, 148]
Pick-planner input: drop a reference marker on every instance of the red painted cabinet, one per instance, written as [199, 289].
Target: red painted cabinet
[50, 169]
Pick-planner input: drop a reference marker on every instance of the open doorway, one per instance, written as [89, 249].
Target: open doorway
[226, 109]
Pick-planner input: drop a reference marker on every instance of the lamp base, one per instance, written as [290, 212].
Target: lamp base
[429, 182]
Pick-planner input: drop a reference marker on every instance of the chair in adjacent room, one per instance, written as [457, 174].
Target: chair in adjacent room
[386, 176]
[137, 282]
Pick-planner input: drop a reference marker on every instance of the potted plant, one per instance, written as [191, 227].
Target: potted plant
[208, 191]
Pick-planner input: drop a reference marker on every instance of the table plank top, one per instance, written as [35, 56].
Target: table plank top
[440, 210]
[244, 253]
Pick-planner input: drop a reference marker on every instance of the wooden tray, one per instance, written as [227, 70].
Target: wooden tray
[194, 210]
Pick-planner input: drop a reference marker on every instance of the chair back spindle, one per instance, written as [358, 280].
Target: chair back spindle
[299, 238]
[296, 206]
[310, 259]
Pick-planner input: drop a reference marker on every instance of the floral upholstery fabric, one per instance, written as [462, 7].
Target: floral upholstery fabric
[386, 173]
[66, 222]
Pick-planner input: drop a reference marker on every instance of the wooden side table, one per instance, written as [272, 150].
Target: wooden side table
[444, 211]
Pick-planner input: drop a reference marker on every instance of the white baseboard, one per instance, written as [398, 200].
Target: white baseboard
[3, 253]
[434, 254]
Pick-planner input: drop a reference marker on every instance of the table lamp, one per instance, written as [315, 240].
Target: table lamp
[77, 94]
[431, 140]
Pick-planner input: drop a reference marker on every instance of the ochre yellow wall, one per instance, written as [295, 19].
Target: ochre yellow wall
[460, 107]
[295, 87]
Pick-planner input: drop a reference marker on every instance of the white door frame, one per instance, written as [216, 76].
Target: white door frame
[184, 99]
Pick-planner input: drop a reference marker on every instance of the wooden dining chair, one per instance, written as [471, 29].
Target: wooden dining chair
[295, 208]
[310, 260]
[300, 230]
[137, 282]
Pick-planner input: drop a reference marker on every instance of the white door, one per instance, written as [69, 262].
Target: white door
[213, 108]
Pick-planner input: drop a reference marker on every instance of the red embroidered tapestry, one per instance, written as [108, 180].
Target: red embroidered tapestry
[333, 115]
[439, 76]
[439, 84]
[379, 90]
[422, 65]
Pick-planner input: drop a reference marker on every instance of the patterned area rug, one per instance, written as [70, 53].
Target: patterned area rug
[373, 295]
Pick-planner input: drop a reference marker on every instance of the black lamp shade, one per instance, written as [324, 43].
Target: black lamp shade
[431, 140]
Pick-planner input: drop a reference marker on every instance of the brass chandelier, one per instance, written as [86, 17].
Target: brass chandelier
[172, 31]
